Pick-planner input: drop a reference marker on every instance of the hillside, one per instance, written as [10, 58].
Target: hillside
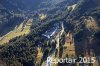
[67, 28]
[18, 31]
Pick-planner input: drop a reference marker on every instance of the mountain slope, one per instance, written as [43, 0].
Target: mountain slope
[18, 31]
[78, 18]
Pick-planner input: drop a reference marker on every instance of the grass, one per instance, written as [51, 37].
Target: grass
[42, 16]
[91, 24]
[17, 32]
[39, 55]
[70, 50]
